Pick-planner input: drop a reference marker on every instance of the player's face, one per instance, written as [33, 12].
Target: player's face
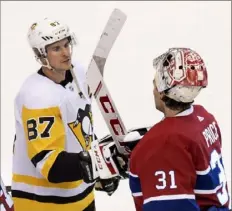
[158, 102]
[59, 55]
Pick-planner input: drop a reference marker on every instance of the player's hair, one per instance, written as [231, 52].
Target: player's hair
[175, 105]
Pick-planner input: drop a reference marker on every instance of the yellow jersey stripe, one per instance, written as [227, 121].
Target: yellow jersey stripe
[49, 162]
[29, 180]
[25, 204]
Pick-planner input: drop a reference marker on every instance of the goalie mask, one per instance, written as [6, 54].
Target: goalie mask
[47, 32]
[180, 74]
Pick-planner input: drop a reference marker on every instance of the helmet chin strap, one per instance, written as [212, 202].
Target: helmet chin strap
[47, 65]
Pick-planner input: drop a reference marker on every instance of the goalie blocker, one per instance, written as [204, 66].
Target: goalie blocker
[109, 162]
[104, 164]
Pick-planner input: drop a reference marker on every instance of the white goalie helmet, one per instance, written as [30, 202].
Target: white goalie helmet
[180, 74]
[46, 32]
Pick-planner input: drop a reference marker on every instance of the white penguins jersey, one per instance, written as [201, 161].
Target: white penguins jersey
[53, 123]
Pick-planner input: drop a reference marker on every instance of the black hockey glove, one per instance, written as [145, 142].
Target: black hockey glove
[88, 167]
[107, 185]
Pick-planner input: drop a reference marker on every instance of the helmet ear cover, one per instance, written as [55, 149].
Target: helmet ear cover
[37, 53]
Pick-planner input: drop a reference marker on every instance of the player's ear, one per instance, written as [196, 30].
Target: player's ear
[161, 95]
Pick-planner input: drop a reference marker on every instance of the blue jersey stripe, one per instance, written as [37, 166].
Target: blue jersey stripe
[135, 184]
[209, 181]
[172, 205]
[218, 209]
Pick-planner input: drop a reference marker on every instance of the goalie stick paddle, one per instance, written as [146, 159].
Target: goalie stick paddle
[95, 78]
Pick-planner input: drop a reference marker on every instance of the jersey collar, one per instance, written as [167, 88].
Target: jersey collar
[186, 112]
[68, 77]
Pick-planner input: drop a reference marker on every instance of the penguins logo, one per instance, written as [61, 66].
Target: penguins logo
[82, 127]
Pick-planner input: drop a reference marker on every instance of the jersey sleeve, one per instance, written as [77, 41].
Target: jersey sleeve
[136, 189]
[44, 132]
[163, 177]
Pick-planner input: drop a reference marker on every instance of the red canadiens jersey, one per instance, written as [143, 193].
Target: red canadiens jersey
[6, 203]
[178, 165]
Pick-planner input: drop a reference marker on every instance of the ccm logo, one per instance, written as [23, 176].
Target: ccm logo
[97, 156]
[108, 108]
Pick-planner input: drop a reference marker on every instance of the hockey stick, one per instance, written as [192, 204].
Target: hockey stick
[96, 83]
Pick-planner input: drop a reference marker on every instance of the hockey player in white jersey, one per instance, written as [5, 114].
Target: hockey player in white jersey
[52, 169]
